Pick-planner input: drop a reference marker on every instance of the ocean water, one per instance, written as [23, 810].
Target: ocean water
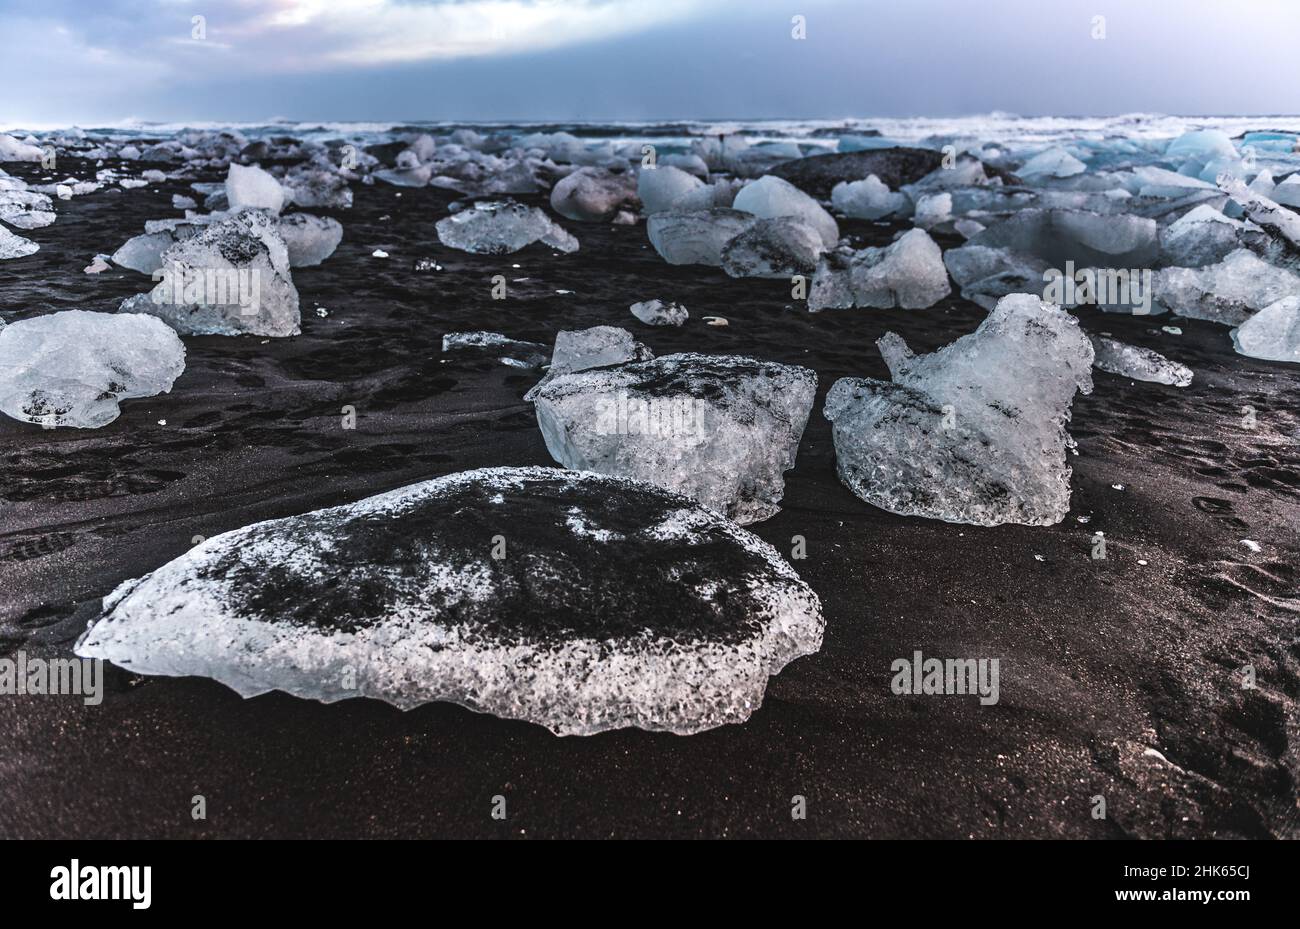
[1003, 129]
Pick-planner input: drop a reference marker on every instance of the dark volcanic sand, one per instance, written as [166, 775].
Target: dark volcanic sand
[1101, 660]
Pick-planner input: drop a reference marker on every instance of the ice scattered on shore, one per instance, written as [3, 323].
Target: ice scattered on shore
[502, 227]
[232, 278]
[15, 246]
[511, 352]
[1273, 333]
[658, 313]
[1229, 292]
[696, 237]
[771, 197]
[1141, 364]
[974, 432]
[251, 187]
[309, 239]
[673, 617]
[72, 368]
[722, 429]
[909, 274]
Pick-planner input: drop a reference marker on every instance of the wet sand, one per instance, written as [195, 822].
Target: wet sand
[1102, 661]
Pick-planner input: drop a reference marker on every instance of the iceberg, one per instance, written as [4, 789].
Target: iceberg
[869, 198]
[663, 187]
[309, 239]
[252, 188]
[15, 246]
[593, 194]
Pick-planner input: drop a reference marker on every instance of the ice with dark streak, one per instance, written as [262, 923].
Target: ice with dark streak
[244, 247]
[722, 429]
[613, 604]
[974, 432]
[73, 368]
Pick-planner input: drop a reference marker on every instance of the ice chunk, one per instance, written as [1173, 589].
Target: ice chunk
[144, 253]
[770, 197]
[695, 237]
[15, 246]
[661, 188]
[1201, 147]
[251, 187]
[1273, 333]
[72, 368]
[1055, 162]
[1157, 182]
[869, 198]
[1278, 220]
[616, 604]
[511, 352]
[12, 149]
[231, 279]
[593, 194]
[909, 274]
[501, 227]
[1229, 292]
[972, 433]
[1287, 193]
[1204, 236]
[658, 313]
[406, 177]
[581, 349]
[933, 210]
[986, 275]
[25, 209]
[318, 189]
[778, 247]
[1141, 364]
[1088, 239]
[720, 428]
[309, 239]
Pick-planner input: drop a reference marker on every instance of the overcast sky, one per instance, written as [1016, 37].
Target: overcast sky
[100, 61]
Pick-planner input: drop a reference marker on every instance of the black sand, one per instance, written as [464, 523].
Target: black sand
[1101, 659]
